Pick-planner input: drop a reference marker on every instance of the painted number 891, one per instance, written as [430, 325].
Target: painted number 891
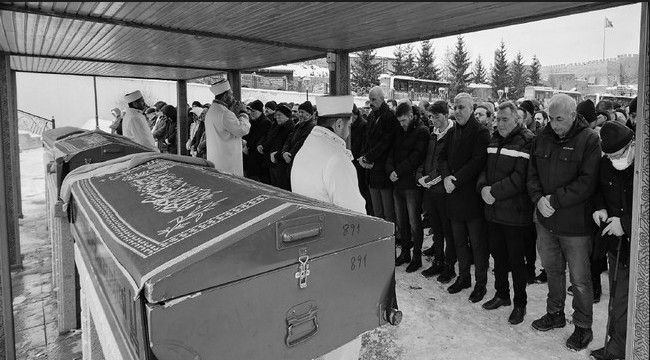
[358, 262]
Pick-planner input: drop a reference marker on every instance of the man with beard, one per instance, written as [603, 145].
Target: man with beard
[134, 123]
[254, 165]
[225, 123]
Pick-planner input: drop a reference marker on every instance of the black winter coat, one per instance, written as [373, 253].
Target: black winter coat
[254, 161]
[614, 194]
[274, 140]
[382, 127]
[407, 154]
[506, 171]
[431, 164]
[358, 134]
[297, 137]
[464, 157]
[566, 169]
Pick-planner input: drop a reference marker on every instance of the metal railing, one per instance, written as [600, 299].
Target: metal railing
[34, 124]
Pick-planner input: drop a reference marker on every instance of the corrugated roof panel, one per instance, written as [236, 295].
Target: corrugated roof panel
[346, 26]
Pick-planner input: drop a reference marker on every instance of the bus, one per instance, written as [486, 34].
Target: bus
[407, 87]
[622, 100]
[543, 94]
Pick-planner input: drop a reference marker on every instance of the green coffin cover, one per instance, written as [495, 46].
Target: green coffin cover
[160, 216]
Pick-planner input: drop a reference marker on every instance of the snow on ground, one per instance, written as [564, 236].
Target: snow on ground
[436, 324]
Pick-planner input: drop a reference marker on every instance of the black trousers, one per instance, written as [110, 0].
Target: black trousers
[279, 175]
[618, 306]
[474, 231]
[508, 248]
[444, 248]
[530, 248]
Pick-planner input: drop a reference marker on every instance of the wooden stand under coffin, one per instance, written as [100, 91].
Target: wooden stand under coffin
[195, 264]
[67, 148]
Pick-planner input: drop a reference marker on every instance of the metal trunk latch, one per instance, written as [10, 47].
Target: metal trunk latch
[303, 270]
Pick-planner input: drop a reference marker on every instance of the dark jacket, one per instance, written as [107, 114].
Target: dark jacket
[297, 137]
[407, 154]
[505, 171]
[614, 194]
[274, 140]
[566, 169]
[464, 157]
[382, 127]
[165, 134]
[431, 164]
[254, 161]
[358, 134]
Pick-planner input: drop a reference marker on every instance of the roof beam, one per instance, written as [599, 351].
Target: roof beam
[123, 62]
[133, 24]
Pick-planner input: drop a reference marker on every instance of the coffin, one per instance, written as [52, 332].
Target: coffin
[195, 264]
[67, 148]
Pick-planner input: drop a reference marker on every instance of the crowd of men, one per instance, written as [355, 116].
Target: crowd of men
[509, 180]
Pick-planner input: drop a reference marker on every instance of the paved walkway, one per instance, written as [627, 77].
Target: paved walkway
[34, 301]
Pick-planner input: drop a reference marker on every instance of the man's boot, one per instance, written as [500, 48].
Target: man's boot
[580, 338]
[550, 321]
[415, 263]
[404, 257]
[448, 273]
[436, 268]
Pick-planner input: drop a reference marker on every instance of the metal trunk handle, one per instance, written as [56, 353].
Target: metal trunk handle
[295, 319]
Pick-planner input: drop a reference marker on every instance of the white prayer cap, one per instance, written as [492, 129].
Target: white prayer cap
[335, 106]
[220, 87]
[133, 96]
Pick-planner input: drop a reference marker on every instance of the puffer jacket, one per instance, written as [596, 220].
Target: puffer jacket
[506, 171]
[566, 169]
[407, 154]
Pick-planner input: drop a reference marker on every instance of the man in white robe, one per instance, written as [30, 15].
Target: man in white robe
[224, 130]
[323, 170]
[134, 123]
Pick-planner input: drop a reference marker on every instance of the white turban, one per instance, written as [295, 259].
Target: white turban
[133, 96]
[220, 87]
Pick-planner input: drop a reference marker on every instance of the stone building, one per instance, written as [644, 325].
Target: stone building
[622, 69]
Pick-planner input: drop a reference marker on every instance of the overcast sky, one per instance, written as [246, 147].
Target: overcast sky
[567, 39]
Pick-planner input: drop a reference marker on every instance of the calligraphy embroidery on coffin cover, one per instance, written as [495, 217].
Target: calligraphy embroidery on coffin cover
[168, 194]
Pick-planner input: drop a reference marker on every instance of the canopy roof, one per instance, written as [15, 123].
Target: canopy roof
[182, 41]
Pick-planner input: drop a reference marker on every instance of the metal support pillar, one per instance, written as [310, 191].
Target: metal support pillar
[7, 344]
[8, 167]
[339, 66]
[637, 313]
[16, 157]
[182, 126]
[234, 78]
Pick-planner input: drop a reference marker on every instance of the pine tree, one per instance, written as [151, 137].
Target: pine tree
[534, 77]
[399, 67]
[519, 77]
[500, 74]
[445, 74]
[479, 73]
[458, 67]
[365, 72]
[410, 66]
[426, 69]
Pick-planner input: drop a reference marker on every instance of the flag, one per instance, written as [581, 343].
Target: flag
[608, 23]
